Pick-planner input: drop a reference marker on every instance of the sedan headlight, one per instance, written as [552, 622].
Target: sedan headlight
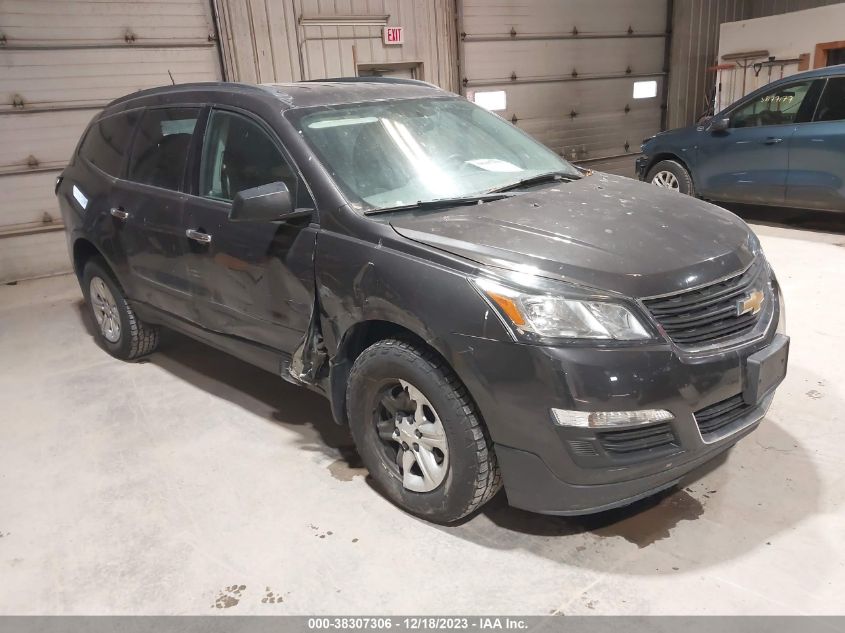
[552, 316]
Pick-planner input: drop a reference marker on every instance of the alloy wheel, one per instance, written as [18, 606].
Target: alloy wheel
[412, 436]
[105, 310]
[666, 179]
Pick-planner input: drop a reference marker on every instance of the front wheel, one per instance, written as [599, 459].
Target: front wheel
[418, 432]
[670, 174]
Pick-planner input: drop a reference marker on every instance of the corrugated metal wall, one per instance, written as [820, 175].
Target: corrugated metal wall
[60, 61]
[695, 47]
[288, 40]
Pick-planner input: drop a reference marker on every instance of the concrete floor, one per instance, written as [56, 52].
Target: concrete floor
[193, 483]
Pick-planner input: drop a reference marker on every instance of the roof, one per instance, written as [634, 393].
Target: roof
[825, 71]
[340, 91]
[304, 93]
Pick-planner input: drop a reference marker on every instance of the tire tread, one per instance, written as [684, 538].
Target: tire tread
[143, 338]
[676, 168]
[489, 477]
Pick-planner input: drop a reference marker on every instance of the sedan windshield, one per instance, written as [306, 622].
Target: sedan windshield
[399, 153]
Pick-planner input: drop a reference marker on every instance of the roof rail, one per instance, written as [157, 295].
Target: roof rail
[374, 79]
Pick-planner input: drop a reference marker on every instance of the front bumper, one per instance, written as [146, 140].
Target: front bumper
[531, 485]
[565, 470]
[640, 165]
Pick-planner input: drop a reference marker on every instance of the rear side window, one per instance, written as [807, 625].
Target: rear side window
[160, 149]
[832, 104]
[107, 141]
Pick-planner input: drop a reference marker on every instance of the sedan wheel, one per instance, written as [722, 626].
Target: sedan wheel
[412, 436]
[670, 174]
[105, 310]
[666, 179]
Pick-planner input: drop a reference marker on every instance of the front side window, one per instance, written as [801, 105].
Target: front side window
[832, 103]
[401, 152]
[237, 155]
[160, 148]
[107, 141]
[782, 106]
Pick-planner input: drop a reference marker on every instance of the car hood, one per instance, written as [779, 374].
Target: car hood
[606, 232]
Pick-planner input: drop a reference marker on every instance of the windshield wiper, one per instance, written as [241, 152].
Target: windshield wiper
[443, 203]
[553, 176]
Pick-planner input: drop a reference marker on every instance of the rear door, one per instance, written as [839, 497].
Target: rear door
[149, 206]
[817, 154]
[92, 180]
[252, 280]
[749, 161]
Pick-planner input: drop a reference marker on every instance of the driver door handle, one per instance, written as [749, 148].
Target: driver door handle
[119, 213]
[198, 236]
[773, 141]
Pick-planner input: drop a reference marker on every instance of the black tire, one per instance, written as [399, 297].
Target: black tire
[685, 184]
[135, 338]
[472, 476]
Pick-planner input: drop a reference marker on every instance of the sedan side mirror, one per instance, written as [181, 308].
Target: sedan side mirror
[718, 125]
[267, 203]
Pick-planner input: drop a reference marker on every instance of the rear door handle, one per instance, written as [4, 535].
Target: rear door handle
[119, 213]
[773, 141]
[198, 236]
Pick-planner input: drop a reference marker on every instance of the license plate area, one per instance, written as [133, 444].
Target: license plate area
[764, 370]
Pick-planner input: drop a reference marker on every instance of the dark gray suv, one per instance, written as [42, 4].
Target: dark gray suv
[475, 308]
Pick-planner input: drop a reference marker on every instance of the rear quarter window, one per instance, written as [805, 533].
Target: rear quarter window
[107, 141]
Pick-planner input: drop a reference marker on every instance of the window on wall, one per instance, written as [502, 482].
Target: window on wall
[645, 89]
[832, 103]
[160, 149]
[237, 155]
[782, 106]
[493, 100]
[835, 56]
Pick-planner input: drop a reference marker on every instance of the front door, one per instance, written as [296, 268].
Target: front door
[817, 154]
[252, 280]
[149, 205]
[749, 161]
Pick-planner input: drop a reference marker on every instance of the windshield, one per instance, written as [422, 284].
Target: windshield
[395, 153]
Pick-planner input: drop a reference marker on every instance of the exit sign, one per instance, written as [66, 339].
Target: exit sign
[393, 35]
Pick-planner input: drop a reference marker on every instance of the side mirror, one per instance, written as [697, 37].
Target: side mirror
[718, 125]
[266, 203]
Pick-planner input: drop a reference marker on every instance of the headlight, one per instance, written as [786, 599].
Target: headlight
[554, 316]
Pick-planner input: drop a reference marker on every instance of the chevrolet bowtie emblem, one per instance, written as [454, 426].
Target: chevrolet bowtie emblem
[752, 303]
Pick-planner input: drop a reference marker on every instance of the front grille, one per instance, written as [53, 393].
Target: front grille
[636, 440]
[717, 416]
[709, 314]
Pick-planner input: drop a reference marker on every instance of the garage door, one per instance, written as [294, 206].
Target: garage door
[60, 62]
[568, 70]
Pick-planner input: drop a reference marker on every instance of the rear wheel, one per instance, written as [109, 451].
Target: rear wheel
[117, 329]
[670, 174]
[419, 433]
